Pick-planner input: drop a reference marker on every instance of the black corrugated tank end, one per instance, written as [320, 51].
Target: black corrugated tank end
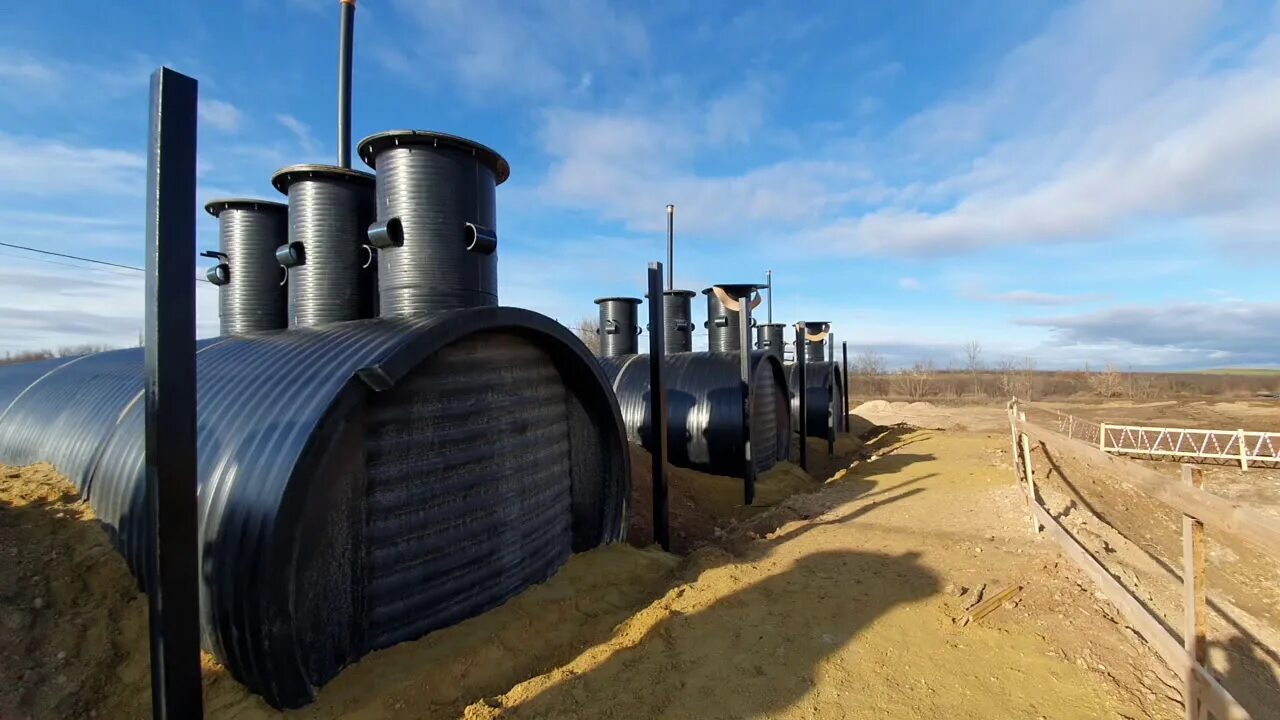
[446, 464]
[364, 483]
[770, 411]
[825, 400]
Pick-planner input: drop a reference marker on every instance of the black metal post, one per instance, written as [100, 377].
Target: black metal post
[844, 349]
[802, 397]
[769, 284]
[658, 407]
[346, 31]
[744, 365]
[831, 347]
[671, 247]
[833, 423]
[170, 397]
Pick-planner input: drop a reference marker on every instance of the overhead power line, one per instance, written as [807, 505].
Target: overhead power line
[72, 257]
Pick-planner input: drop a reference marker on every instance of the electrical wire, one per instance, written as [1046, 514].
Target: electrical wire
[77, 257]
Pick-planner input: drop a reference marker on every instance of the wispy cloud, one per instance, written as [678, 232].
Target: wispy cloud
[525, 49]
[221, 115]
[22, 68]
[910, 284]
[61, 169]
[1027, 297]
[301, 132]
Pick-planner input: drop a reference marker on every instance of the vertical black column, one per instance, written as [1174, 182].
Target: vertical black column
[671, 248]
[744, 364]
[844, 385]
[658, 407]
[170, 397]
[802, 388]
[346, 31]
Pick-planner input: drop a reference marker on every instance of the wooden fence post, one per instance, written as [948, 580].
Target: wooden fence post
[1102, 436]
[1031, 482]
[1244, 453]
[1194, 598]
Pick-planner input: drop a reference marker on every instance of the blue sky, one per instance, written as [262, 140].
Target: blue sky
[1073, 183]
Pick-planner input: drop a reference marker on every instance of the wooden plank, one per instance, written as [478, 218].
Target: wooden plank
[1244, 453]
[1212, 695]
[1224, 516]
[1195, 601]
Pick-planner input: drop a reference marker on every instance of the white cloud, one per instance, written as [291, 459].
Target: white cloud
[1188, 334]
[46, 167]
[221, 115]
[301, 132]
[55, 306]
[22, 68]
[1027, 297]
[529, 48]
[910, 283]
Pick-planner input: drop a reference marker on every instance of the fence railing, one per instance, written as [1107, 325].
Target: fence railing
[1204, 697]
[1235, 447]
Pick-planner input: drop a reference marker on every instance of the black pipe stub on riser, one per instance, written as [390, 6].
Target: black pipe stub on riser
[251, 285]
[619, 326]
[436, 223]
[332, 276]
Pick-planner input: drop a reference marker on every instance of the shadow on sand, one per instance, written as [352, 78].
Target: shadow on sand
[750, 653]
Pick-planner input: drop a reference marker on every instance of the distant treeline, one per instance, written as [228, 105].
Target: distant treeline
[869, 378]
[65, 351]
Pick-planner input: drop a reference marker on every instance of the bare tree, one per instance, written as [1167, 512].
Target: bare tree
[1016, 378]
[973, 363]
[589, 332]
[1107, 382]
[914, 381]
[869, 365]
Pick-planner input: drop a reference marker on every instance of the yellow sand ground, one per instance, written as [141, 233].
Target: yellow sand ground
[843, 609]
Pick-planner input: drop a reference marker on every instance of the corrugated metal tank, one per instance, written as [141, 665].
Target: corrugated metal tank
[436, 229]
[825, 401]
[16, 377]
[771, 337]
[251, 284]
[331, 278]
[721, 325]
[705, 425]
[360, 483]
[619, 329]
[677, 317]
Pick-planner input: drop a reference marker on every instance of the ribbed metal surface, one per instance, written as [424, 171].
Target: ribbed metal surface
[290, 500]
[619, 328]
[434, 184]
[469, 486]
[18, 377]
[815, 351]
[705, 425]
[677, 315]
[771, 337]
[249, 231]
[66, 414]
[825, 401]
[330, 210]
[722, 325]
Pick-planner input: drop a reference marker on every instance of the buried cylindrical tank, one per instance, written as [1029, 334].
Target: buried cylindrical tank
[815, 341]
[771, 338]
[251, 284]
[331, 274]
[436, 226]
[619, 328]
[825, 398]
[706, 430]
[677, 314]
[360, 483]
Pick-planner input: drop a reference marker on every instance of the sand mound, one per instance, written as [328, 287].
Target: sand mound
[80, 644]
[74, 623]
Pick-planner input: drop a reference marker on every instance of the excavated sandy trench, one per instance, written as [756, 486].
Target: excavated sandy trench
[835, 602]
